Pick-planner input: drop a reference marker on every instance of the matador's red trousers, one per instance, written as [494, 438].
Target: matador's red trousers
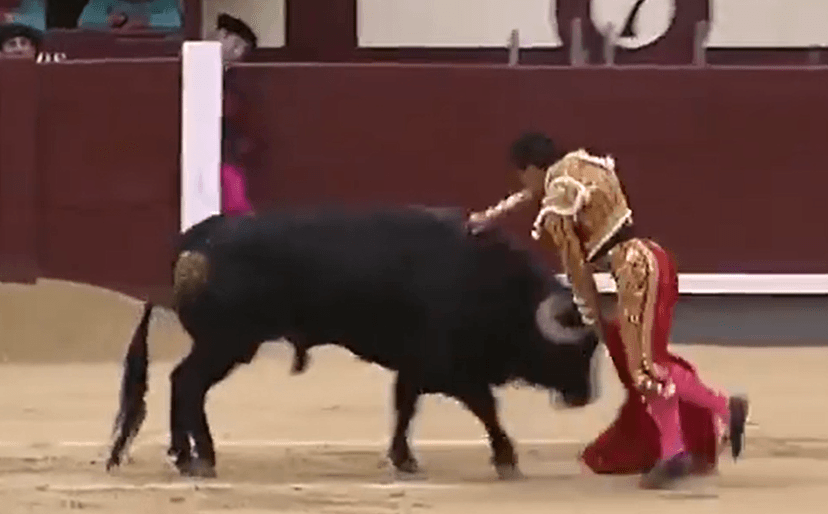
[657, 427]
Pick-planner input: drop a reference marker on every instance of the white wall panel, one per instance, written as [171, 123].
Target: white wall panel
[456, 23]
[768, 23]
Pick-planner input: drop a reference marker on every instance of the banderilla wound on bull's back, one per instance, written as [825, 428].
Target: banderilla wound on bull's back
[189, 275]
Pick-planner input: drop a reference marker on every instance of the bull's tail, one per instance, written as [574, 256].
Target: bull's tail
[132, 408]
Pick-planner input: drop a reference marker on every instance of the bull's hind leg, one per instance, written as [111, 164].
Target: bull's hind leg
[180, 450]
[482, 404]
[191, 379]
[406, 394]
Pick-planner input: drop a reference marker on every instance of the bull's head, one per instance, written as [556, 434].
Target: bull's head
[575, 361]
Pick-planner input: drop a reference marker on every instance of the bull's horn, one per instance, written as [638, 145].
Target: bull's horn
[546, 319]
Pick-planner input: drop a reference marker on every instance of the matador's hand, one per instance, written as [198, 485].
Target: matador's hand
[587, 316]
[477, 223]
[650, 385]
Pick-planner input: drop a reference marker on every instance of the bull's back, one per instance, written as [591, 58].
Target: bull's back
[375, 253]
[329, 256]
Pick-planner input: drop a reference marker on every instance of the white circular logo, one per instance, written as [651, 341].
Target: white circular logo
[636, 23]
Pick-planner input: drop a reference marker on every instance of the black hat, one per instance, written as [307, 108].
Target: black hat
[236, 26]
[13, 30]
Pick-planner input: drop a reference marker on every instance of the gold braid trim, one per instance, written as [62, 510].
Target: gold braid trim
[606, 162]
[565, 196]
[635, 270]
[585, 188]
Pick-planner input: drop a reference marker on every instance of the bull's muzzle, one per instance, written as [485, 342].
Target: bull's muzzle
[581, 398]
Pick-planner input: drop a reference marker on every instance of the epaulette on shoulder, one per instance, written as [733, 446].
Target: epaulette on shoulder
[606, 162]
[571, 162]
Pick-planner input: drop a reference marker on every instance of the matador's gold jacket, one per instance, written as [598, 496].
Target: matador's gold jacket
[583, 208]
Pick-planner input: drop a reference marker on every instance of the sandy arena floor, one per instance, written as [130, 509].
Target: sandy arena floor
[315, 443]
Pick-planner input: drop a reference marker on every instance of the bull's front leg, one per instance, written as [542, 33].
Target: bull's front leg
[406, 394]
[481, 402]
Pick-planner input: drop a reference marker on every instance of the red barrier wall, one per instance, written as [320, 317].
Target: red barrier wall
[18, 172]
[723, 166]
[99, 200]
[97, 44]
[109, 141]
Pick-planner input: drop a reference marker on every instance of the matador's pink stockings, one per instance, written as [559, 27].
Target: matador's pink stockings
[665, 411]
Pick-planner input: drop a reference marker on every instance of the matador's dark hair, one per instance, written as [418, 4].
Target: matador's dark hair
[534, 149]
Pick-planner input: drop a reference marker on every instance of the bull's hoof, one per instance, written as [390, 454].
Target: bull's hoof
[112, 462]
[408, 476]
[505, 461]
[300, 362]
[198, 468]
[407, 466]
[508, 472]
[405, 469]
[115, 460]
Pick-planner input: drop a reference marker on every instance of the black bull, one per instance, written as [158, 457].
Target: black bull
[406, 288]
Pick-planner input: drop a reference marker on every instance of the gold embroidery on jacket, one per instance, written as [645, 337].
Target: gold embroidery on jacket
[635, 270]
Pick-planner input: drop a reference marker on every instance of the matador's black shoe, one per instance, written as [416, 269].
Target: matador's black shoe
[738, 406]
[666, 472]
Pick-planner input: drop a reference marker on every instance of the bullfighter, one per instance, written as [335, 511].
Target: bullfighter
[671, 424]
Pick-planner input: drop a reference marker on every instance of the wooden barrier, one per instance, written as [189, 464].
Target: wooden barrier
[723, 166]
[18, 172]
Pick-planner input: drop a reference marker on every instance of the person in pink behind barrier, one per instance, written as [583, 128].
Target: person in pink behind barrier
[234, 191]
[234, 146]
[237, 41]
[672, 424]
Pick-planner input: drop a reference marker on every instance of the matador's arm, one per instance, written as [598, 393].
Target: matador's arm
[563, 199]
[577, 270]
[502, 207]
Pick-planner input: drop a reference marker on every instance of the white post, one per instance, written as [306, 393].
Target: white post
[700, 43]
[514, 47]
[577, 53]
[815, 55]
[201, 110]
[609, 44]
